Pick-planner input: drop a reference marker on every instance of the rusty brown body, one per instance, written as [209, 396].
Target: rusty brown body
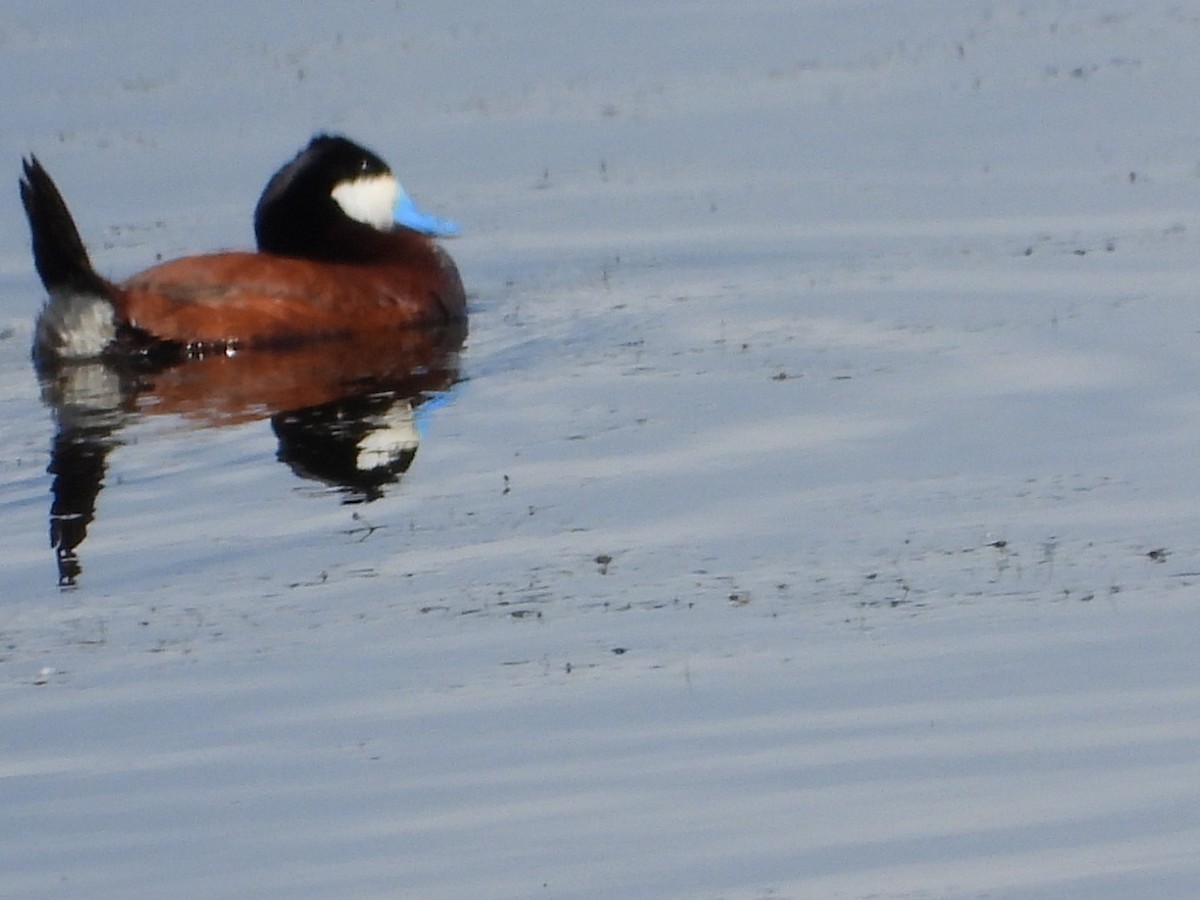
[260, 299]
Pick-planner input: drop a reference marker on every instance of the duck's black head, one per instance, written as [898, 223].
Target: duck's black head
[318, 205]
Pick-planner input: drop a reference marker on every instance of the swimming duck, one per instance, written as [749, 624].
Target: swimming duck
[333, 261]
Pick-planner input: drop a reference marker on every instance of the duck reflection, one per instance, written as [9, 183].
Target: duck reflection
[345, 414]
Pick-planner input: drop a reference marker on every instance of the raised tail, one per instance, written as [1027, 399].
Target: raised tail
[58, 251]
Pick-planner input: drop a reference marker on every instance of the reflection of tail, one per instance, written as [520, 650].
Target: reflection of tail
[79, 321]
[77, 462]
[78, 459]
[58, 251]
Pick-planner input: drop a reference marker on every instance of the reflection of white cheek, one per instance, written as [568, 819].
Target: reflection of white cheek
[369, 200]
[392, 435]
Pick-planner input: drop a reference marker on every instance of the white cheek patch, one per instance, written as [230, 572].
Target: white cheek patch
[369, 199]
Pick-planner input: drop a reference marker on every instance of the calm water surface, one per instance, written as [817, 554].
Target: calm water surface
[810, 510]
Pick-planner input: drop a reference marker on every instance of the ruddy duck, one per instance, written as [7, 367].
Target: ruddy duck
[333, 261]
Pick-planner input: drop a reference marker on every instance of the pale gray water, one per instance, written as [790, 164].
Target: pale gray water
[814, 516]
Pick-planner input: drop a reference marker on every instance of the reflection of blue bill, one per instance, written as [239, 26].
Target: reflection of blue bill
[431, 404]
[409, 216]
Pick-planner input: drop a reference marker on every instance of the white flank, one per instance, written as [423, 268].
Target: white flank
[370, 200]
[75, 326]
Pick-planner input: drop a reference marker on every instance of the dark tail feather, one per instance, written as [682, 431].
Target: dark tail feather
[58, 251]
